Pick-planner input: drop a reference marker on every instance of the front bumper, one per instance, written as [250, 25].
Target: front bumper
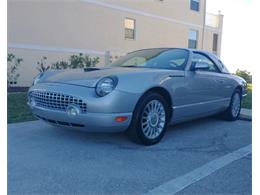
[92, 122]
[101, 112]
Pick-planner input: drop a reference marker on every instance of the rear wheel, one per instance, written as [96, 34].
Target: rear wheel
[233, 111]
[149, 119]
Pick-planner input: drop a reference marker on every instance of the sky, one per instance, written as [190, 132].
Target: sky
[240, 32]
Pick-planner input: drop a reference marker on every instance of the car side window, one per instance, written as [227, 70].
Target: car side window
[201, 58]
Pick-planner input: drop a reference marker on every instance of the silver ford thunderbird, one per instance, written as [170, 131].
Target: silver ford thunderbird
[140, 93]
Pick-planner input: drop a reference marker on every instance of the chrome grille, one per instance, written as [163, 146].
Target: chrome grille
[56, 101]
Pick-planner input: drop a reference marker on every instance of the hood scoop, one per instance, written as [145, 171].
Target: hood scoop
[89, 69]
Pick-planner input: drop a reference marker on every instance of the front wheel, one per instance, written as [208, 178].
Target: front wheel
[233, 111]
[149, 119]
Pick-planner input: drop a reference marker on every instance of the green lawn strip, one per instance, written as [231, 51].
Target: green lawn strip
[18, 111]
[247, 101]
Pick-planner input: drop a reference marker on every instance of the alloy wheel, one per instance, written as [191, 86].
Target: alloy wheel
[153, 119]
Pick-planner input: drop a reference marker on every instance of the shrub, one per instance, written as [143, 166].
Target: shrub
[12, 65]
[42, 65]
[80, 61]
[76, 61]
[60, 65]
[245, 75]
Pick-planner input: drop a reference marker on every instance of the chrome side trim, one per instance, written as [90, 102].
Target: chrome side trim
[201, 103]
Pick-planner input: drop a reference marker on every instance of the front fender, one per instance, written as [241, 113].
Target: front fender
[115, 102]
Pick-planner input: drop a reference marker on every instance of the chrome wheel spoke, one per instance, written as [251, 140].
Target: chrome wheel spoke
[146, 128]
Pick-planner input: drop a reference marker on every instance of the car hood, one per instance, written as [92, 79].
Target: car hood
[90, 76]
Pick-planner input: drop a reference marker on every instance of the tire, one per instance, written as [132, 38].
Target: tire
[233, 111]
[148, 124]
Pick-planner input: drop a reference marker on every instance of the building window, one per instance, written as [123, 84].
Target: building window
[129, 28]
[215, 43]
[193, 39]
[195, 5]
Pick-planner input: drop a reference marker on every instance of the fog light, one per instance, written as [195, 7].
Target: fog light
[32, 102]
[121, 118]
[72, 110]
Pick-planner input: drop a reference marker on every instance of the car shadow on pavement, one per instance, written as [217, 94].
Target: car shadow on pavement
[120, 138]
[175, 134]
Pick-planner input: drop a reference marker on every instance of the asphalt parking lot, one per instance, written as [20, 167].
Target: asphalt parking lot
[196, 157]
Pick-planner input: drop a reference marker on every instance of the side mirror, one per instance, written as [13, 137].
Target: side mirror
[200, 66]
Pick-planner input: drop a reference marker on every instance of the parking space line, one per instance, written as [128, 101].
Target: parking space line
[175, 185]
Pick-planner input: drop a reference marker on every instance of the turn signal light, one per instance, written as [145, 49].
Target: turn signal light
[121, 118]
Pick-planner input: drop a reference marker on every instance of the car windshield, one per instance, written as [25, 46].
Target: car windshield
[174, 59]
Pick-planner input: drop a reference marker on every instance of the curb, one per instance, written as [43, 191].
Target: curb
[245, 114]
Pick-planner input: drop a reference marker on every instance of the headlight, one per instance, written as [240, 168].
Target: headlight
[106, 86]
[37, 78]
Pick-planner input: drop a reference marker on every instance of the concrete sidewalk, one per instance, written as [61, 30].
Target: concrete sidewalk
[246, 114]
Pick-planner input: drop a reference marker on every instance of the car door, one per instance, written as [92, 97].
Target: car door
[204, 89]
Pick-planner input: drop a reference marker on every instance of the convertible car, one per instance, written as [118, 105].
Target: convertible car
[141, 93]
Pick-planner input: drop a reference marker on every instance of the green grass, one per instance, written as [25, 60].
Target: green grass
[18, 111]
[247, 102]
